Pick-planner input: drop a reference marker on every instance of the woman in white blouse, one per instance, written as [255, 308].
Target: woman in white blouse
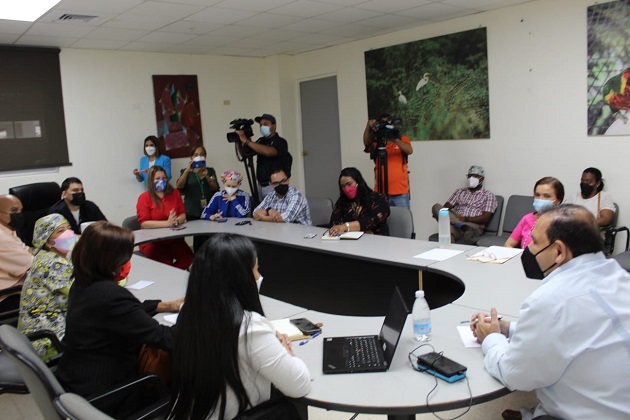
[227, 355]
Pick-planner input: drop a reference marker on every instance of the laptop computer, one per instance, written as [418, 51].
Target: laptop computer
[372, 353]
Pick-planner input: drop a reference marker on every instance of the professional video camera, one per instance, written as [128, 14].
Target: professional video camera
[386, 128]
[240, 124]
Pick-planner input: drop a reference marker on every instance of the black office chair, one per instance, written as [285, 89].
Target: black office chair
[10, 305]
[610, 234]
[131, 223]
[36, 200]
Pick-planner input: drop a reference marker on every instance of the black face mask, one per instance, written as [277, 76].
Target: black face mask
[17, 221]
[282, 189]
[530, 265]
[78, 199]
[586, 189]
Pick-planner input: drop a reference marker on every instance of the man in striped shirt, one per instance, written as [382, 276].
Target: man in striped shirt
[285, 205]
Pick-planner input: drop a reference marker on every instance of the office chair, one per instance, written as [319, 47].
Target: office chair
[517, 207]
[75, 407]
[400, 223]
[45, 388]
[36, 200]
[321, 209]
[131, 223]
[610, 234]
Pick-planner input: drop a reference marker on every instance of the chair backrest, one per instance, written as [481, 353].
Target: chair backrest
[321, 209]
[493, 224]
[131, 223]
[400, 223]
[36, 200]
[40, 381]
[517, 207]
[75, 407]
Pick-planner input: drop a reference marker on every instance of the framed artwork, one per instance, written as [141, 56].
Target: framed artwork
[438, 87]
[608, 91]
[177, 114]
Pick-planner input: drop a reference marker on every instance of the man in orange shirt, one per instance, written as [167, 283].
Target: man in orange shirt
[15, 257]
[380, 141]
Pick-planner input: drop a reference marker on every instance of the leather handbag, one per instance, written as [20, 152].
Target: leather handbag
[152, 360]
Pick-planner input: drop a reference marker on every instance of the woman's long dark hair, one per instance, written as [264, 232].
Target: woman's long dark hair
[221, 287]
[362, 192]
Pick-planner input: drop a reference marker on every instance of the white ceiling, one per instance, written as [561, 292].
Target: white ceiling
[253, 28]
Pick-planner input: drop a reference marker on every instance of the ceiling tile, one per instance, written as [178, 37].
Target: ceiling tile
[389, 21]
[303, 8]
[210, 40]
[138, 22]
[351, 30]
[270, 20]
[189, 27]
[436, 12]
[98, 6]
[59, 30]
[144, 46]
[8, 38]
[13, 26]
[46, 41]
[186, 49]
[278, 35]
[343, 2]
[159, 9]
[258, 5]
[311, 25]
[116, 34]
[349, 15]
[218, 15]
[167, 37]
[391, 6]
[99, 44]
[239, 31]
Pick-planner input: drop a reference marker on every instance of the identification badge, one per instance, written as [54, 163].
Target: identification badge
[203, 203]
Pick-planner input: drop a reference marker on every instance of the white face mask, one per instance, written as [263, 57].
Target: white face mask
[199, 159]
[231, 190]
[473, 182]
[150, 150]
[265, 131]
[259, 282]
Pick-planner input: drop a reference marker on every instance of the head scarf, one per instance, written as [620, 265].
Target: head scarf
[45, 227]
[233, 175]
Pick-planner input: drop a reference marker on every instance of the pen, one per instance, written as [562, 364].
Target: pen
[309, 339]
[499, 317]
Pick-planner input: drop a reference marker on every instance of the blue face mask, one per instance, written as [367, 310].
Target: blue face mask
[265, 131]
[160, 185]
[540, 205]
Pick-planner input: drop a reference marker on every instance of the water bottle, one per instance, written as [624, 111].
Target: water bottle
[421, 315]
[444, 228]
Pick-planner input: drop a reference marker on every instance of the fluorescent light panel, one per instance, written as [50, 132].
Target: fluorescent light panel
[26, 10]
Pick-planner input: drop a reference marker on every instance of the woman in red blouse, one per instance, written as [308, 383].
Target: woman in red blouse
[161, 206]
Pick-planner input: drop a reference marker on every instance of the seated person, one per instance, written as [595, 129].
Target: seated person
[285, 205]
[15, 257]
[106, 325]
[159, 207]
[249, 357]
[358, 208]
[231, 202]
[598, 202]
[74, 207]
[470, 208]
[548, 192]
[44, 299]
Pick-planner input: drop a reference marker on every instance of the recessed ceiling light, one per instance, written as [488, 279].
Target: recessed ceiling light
[26, 10]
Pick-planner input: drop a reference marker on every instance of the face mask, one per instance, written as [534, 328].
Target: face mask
[530, 265]
[160, 185]
[198, 162]
[121, 277]
[17, 221]
[265, 131]
[150, 150]
[78, 199]
[540, 205]
[259, 283]
[282, 189]
[586, 189]
[351, 191]
[65, 242]
[473, 182]
[231, 190]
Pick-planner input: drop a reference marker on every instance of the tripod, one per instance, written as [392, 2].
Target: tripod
[382, 181]
[247, 157]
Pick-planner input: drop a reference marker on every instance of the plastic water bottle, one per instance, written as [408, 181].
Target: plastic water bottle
[444, 228]
[421, 315]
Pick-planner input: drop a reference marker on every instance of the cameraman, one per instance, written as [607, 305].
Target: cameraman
[271, 150]
[397, 148]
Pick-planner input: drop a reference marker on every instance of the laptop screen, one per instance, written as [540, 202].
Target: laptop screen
[393, 325]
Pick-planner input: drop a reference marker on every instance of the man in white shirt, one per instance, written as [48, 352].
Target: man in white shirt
[572, 340]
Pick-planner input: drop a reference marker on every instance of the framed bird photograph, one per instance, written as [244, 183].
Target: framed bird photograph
[437, 87]
[608, 87]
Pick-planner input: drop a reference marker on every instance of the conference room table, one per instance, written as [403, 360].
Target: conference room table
[400, 392]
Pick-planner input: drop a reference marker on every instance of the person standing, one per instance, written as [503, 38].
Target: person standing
[152, 157]
[74, 207]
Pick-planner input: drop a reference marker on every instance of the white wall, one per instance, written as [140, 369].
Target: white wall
[537, 64]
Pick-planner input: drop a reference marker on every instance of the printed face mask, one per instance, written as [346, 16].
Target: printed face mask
[160, 185]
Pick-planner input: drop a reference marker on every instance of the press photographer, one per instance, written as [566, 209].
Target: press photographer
[271, 150]
[389, 150]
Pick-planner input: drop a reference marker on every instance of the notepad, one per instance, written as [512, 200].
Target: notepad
[345, 235]
[495, 254]
[284, 326]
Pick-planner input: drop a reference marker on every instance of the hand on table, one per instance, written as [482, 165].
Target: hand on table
[483, 325]
[217, 215]
[337, 230]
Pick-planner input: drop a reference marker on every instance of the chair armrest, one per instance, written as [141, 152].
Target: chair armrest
[121, 390]
[11, 290]
[625, 229]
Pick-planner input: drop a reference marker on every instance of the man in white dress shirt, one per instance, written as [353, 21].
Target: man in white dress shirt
[572, 340]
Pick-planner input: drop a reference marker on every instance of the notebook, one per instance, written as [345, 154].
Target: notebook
[346, 235]
[372, 353]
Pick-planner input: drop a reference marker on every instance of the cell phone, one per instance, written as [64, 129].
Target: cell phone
[178, 227]
[244, 222]
[306, 326]
[221, 220]
[441, 366]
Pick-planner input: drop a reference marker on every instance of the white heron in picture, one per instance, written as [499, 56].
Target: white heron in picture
[423, 81]
[402, 98]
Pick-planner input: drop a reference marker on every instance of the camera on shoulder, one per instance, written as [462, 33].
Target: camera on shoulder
[243, 124]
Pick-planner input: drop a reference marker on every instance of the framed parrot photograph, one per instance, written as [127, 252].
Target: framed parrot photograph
[608, 87]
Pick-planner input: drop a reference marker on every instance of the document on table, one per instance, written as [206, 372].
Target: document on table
[438, 254]
[466, 334]
[140, 285]
[495, 254]
[172, 318]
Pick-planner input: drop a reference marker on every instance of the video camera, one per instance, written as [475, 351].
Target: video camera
[386, 128]
[243, 124]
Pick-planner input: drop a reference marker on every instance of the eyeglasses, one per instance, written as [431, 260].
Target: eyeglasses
[282, 181]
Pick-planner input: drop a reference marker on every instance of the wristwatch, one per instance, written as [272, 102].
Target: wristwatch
[347, 227]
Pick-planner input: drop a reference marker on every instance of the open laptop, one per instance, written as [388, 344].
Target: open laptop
[372, 353]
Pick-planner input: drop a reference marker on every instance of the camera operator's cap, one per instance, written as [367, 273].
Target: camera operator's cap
[476, 170]
[267, 117]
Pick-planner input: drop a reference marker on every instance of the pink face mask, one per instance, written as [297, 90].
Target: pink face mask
[351, 192]
[65, 242]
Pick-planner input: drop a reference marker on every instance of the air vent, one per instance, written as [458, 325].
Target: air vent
[75, 18]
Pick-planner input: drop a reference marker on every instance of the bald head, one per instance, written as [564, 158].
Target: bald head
[575, 226]
[9, 204]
